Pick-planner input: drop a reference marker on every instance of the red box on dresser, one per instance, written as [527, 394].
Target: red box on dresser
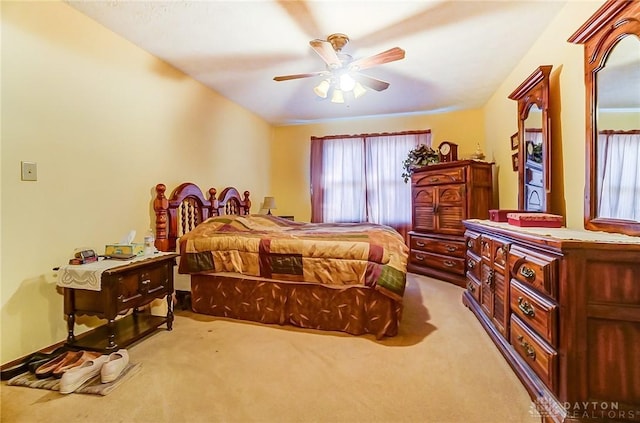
[500, 215]
[540, 220]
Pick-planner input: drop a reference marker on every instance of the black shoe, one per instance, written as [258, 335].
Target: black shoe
[13, 371]
[25, 365]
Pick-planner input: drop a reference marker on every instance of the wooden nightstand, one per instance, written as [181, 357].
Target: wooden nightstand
[122, 288]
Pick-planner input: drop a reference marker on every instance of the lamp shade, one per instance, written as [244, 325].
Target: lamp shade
[359, 90]
[322, 88]
[269, 203]
[337, 96]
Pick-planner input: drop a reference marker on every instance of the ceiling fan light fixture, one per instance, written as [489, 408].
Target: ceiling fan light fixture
[342, 74]
[322, 89]
[337, 96]
[359, 90]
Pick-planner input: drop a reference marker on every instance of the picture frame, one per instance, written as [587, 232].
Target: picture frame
[514, 141]
[514, 161]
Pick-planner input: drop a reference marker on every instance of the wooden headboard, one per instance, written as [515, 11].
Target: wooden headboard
[187, 207]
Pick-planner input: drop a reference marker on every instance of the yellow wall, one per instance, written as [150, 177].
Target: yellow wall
[291, 146]
[567, 117]
[105, 122]
[620, 121]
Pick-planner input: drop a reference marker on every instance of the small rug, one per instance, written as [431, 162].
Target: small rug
[92, 386]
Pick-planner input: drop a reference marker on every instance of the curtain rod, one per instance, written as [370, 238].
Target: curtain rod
[328, 137]
[616, 132]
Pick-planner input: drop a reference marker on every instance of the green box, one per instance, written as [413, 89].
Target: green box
[135, 248]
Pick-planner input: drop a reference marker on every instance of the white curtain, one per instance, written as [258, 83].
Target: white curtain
[388, 196]
[619, 176]
[344, 180]
[362, 178]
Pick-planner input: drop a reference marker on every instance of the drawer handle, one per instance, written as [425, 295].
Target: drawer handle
[469, 244]
[471, 287]
[528, 349]
[527, 272]
[420, 244]
[451, 248]
[419, 257]
[449, 263]
[156, 289]
[526, 308]
[435, 179]
[471, 264]
[145, 281]
[489, 280]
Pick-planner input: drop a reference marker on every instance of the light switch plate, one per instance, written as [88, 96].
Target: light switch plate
[29, 171]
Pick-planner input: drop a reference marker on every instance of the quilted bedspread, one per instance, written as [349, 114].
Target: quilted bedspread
[272, 247]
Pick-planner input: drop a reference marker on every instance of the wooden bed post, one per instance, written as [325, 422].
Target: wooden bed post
[160, 206]
[247, 203]
[213, 203]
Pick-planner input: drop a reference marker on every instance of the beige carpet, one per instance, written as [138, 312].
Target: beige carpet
[442, 367]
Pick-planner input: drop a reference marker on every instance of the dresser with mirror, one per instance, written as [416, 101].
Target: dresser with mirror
[563, 305]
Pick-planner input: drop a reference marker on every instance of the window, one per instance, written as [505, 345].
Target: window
[619, 175]
[358, 178]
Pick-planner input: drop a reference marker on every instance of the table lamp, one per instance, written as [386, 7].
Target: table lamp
[269, 203]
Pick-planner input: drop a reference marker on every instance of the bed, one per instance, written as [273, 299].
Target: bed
[267, 269]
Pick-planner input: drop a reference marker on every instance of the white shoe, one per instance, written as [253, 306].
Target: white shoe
[73, 378]
[116, 363]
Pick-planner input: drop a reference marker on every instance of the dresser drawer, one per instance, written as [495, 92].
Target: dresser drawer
[473, 287]
[538, 312]
[542, 358]
[473, 266]
[534, 270]
[440, 176]
[136, 287]
[450, 264]
[438, 246]
[473, 242]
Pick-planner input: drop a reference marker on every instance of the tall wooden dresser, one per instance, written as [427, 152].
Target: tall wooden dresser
[443, 195]
[563, 307]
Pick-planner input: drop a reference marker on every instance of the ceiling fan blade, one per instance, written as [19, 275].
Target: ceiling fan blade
[301, 75]
[373, 83]
[326, 51]
[390, 55]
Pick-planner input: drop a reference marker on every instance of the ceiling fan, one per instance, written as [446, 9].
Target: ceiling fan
[343, 73]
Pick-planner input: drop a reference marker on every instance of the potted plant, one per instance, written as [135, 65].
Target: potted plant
[420, 156]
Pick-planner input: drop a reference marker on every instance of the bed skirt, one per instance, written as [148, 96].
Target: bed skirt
[352, 309]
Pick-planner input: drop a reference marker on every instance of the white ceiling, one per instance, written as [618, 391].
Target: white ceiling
[457, 52]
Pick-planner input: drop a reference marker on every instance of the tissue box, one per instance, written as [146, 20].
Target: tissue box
[544, 220]
[135, 248]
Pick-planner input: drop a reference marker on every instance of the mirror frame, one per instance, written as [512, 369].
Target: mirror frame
[613, 21]
[534, 91]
